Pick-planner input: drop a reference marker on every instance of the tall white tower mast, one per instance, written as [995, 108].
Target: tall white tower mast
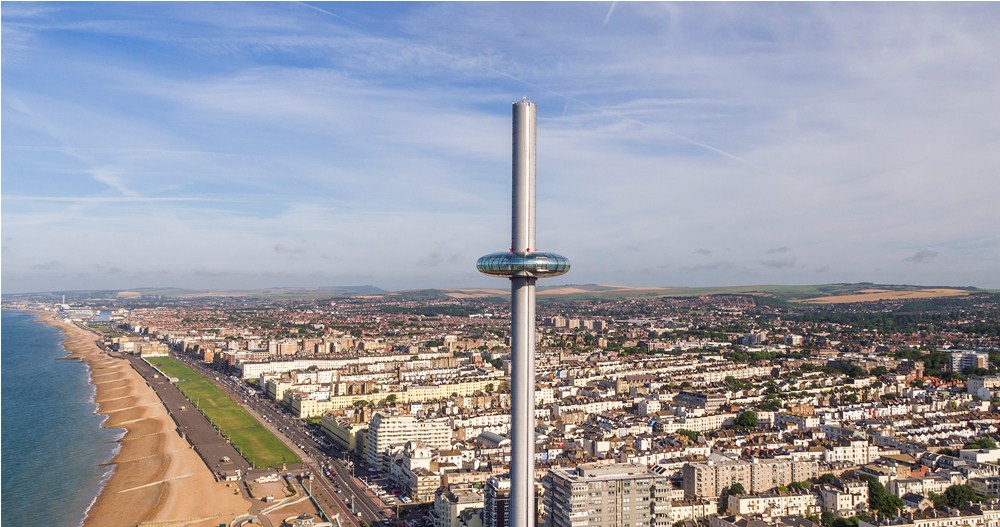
[523, 265]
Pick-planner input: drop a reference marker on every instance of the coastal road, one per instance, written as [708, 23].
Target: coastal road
[333, 486]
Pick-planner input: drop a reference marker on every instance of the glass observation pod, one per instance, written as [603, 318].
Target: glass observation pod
[540, 265]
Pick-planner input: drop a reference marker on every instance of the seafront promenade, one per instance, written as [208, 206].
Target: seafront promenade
[158, 477]
[217, 453]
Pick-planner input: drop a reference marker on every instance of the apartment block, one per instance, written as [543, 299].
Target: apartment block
[855, 452]
[962, 359]
[771, 504]
[496, 505]
[450, 503]
[983, 387]
[844, 498]
[604, 496]
[710, 478]
[387, 431]
[710, 402]
[342, 431]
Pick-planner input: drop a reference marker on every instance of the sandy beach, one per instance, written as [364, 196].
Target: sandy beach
[158, 477]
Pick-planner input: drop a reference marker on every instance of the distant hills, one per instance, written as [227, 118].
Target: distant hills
[807, 294]
[810, 294]
[290, 293]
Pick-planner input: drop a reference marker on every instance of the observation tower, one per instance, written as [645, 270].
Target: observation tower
[523, 265]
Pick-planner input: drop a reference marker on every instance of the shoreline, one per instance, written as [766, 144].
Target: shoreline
[155, 475]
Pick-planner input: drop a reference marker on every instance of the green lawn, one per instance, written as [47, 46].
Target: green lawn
[258, 445]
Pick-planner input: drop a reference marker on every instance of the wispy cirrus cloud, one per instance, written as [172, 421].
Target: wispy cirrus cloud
[356, 133]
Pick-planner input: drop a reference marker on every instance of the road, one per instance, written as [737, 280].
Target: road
[332, 485]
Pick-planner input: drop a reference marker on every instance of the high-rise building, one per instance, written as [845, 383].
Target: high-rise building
[962, 359]
[523, 265]
[496, 505]
[387, 431]
[606, 496]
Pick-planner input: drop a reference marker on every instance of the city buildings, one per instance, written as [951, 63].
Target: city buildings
[962, 359]
[387, 432]
[496, 504]
[710, 478]
[657, 385]
[605, 496]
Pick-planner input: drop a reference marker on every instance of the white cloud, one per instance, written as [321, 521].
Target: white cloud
[856, 134]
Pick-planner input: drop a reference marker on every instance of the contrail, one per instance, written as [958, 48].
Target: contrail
[607, 17]
[604, 111]
[325, 12]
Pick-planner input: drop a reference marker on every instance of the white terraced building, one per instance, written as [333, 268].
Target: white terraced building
[387, 431]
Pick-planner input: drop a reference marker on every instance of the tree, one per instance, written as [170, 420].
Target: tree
[960, 496]
[799, 485]
[937, 499]
[846, 522]
[690, 434]
[826, 479]
[746, 420]
[975, 371]
[490, 388]
[390, 399]
[879, 499]
[736, 489]
[985, 443]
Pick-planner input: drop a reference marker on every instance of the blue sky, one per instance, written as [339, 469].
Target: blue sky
[243, 145]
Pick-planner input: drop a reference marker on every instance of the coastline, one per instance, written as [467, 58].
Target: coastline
[156, 476]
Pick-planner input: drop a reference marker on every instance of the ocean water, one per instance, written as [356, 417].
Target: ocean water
[52, 440]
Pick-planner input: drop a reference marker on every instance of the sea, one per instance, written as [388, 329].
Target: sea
[53, 444]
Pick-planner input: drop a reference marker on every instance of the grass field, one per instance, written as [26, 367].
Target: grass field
[258, 445]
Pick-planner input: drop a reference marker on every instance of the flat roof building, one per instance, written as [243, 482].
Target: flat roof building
[604, 496]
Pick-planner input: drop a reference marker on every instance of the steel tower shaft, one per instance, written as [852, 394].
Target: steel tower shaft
[522, 321]
[523, 265]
